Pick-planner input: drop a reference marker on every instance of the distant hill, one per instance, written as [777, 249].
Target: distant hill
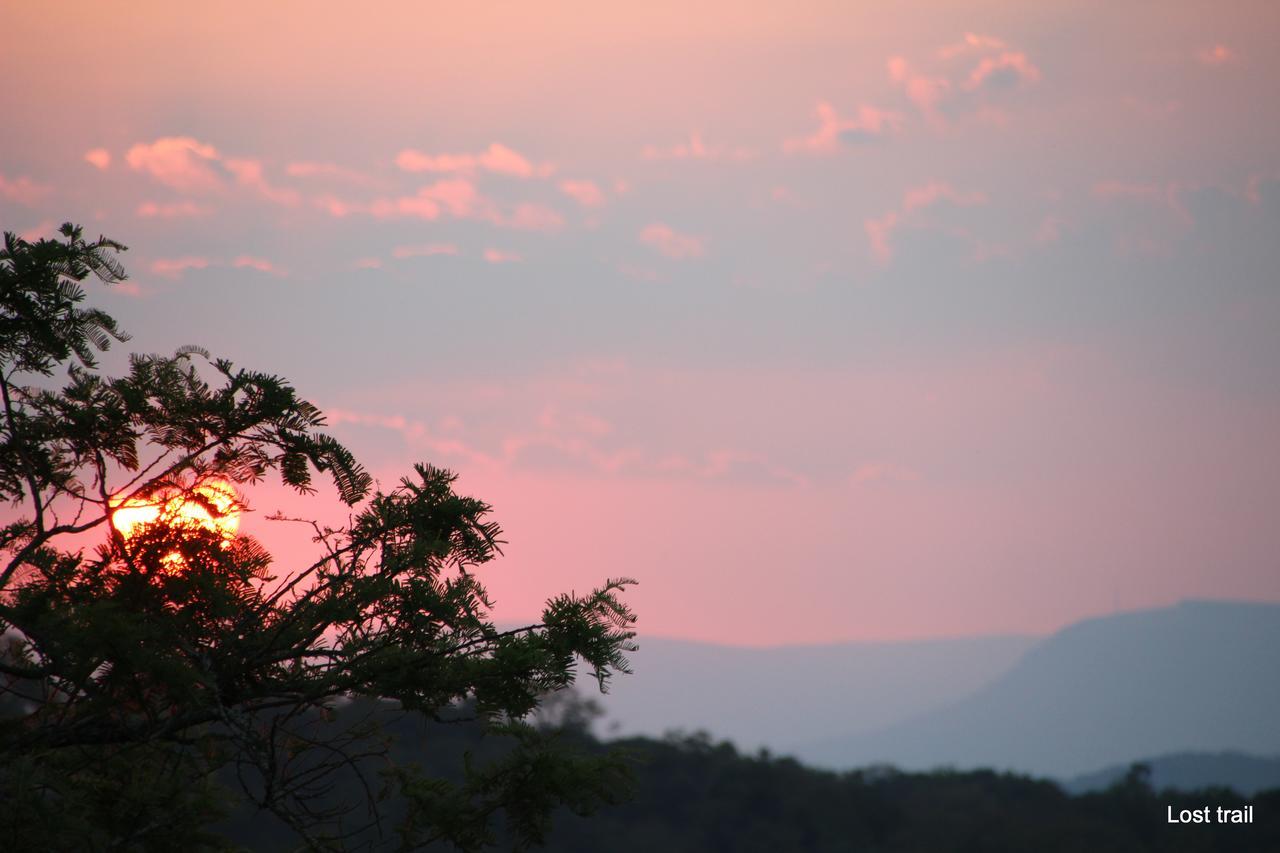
[758, 697]
[1193, 771]
[1200, 676]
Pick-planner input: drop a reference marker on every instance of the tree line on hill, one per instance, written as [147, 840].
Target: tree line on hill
[688, 792]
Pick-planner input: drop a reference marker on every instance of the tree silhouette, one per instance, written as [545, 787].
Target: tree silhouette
[142, 662]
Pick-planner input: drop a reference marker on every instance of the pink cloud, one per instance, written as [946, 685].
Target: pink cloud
[457, 195]
[965, 77]
[175, 267]
[334, 206]
[497, 158]
[528, 216]
[99, 158]
[504, 161]
[924, 91]
[870, 123]
[424, 251]
[585, 193]
[179, 162]
[459, 198]
[188, 165]
[696, 149]
[415, 161]
[42, 231]
[879, 231]
[782, 194]
[571, 437]
[368, 263]
[1006, 70]
[498, 256]
[1050, 230]
[308, 169]
[552, 417]
[259, 264]
[664, 239]
[555, 420]
[23, 190]
[420, 206]
[970, 43]
[169, 210]
[415, 432]
[248, 173]
[936, 191]
[1218, 54]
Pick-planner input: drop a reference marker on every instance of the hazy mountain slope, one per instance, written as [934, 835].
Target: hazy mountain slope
[1200, 676]
[764, 696]
[1193, 771]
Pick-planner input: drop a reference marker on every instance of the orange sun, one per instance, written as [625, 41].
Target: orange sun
[211, 505]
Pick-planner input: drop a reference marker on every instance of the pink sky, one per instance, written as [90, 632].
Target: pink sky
[826, 321]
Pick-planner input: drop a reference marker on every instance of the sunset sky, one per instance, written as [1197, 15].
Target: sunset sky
[826, 321]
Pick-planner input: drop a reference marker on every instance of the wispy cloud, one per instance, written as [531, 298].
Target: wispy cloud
[497, 158]
[187, 165]
[330, 171]
[664, 239]
[259, 264]
[175, 268]
[833, 131]
[500, 256]
[44, 230]
[424, 251]
[23, 190]
[1215, 55]
[971, 43]
[179, 162]
[694, 148]
[248, 173]
[99, 158]
[169, 210]
[585, 193]
[974, 73]
[880, 230]
[1006, 70]
[455, 197]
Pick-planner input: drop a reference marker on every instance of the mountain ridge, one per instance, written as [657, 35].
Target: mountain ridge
[1196, 676]
[822, 689]
[1247, 775]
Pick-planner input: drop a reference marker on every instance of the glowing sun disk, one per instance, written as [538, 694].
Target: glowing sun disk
[210, 505]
